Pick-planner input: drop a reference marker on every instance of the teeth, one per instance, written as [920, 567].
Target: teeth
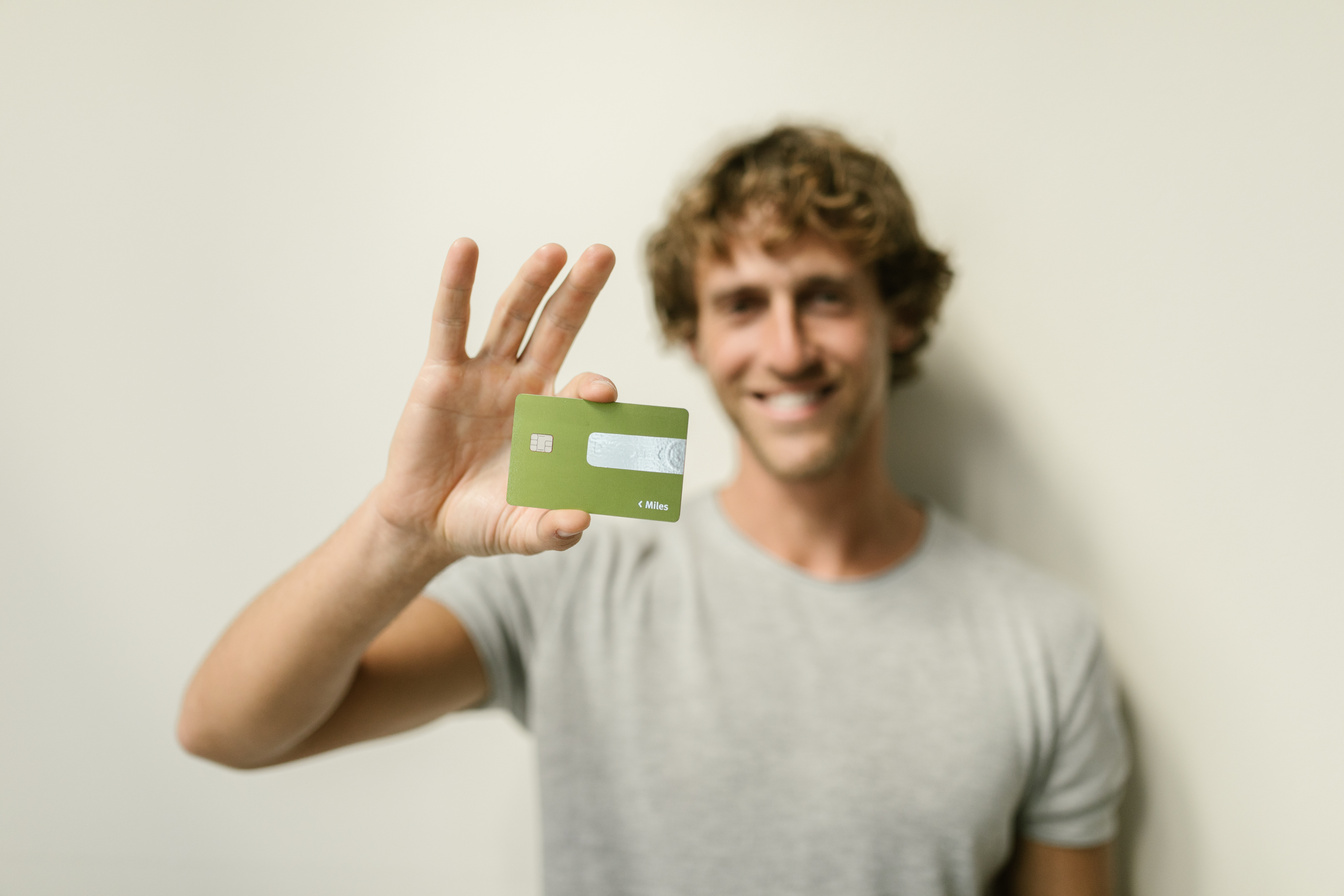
[791, 400]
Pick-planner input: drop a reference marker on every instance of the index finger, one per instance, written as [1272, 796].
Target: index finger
[452, 304]
[567, 309]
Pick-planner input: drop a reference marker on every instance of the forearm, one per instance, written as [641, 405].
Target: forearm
[287, 661]
[1040, 869]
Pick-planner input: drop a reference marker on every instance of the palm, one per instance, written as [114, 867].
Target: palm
[448, 464]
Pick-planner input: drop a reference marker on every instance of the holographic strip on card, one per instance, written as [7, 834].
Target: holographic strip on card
[643, 454]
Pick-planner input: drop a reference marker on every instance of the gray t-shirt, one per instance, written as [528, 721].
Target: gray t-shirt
[711, 720]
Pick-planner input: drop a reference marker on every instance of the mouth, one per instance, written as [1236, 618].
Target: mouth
[793, 404]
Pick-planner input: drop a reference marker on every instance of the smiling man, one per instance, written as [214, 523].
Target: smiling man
[811, 684]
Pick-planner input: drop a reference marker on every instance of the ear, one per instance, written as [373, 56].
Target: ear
[901, 337]
[693, 349]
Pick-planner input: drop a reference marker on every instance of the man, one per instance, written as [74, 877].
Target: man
[811, 684]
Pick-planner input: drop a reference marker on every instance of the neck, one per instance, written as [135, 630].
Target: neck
[851, 522]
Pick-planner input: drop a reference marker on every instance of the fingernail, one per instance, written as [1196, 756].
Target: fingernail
[563, 534]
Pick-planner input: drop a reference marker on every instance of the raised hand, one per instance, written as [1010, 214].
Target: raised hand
[447, 468]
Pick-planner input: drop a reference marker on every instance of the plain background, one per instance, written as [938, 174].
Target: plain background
[220, 231]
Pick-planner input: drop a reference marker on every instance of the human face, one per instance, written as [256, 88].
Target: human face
[796, 343]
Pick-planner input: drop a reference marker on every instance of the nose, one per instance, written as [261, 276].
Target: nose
[787, 349]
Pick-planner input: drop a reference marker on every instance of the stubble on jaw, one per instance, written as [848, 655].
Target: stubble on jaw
[844, 438]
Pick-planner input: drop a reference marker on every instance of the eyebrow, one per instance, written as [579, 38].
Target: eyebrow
[810, 283]
[826, 280]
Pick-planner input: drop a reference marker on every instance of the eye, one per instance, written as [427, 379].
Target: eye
[826, 300]
[740, 304]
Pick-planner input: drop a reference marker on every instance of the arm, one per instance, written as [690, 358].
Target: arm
[1039, 869]
[340, 649]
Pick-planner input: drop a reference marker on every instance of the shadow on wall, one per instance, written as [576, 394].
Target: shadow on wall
[950, 442]
[1133, 811]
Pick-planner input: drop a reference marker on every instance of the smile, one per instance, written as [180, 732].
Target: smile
[792, 405]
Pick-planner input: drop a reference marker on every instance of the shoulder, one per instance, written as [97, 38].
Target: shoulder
[1004, 590]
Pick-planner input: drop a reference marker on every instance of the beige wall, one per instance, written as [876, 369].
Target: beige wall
[219, 235]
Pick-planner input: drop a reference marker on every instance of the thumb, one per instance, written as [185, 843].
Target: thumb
[559, 530]
[590, 387]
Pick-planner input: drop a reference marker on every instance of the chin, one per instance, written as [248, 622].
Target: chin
[808, 467]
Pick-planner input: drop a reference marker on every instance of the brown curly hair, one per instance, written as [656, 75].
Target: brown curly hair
[791, 181]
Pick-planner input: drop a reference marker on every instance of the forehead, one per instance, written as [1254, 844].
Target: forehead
[749, 264]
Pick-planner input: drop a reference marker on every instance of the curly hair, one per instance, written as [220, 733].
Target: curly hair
[777, 187]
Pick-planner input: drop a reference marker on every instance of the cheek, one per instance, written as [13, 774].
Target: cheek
[724, 355]
[855, 344]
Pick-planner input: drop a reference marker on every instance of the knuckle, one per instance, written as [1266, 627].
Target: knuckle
[566, 323]
[519, 313]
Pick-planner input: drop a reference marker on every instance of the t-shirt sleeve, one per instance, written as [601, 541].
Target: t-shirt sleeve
[489, 598]
[1075, 794]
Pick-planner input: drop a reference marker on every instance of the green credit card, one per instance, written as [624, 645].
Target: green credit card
[611, 458]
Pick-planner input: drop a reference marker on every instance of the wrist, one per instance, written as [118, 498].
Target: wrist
[399, 550]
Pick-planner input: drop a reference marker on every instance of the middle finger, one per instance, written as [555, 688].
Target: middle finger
[515, 308]
[567, 309]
